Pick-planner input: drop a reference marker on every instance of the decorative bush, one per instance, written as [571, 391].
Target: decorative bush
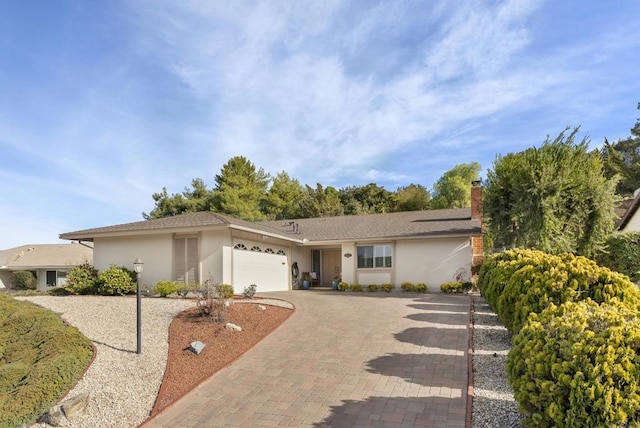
[577, 365]
[343, 286]
[372, 287]
[387, 287]
[24, 280]
[408, 286]
[456, 287]
[225, 290]
[622, 254]
[41, 358]
[115, 281]
[82, 279]
[355, 287]
[250, 291]
[184, 289]
[558, 279]
[421, 287]
[165, 288]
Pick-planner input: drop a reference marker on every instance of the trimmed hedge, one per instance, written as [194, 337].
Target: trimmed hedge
[524, 281]
[577, 365]
[41, 358]
[456, 287]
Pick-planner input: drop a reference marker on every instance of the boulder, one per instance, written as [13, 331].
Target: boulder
[68, 410]
[262, 308]
[230, 326]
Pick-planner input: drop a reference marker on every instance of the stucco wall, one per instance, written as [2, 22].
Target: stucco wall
[154, 250]
[5, 279]
[432, 261]
[215, 254]
[634, 223]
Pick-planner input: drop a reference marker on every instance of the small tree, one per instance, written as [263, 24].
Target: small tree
[82, 279]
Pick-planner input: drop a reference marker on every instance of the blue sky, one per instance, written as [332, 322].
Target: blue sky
[104, 103]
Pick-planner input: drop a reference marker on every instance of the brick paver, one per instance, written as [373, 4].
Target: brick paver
[344, 360]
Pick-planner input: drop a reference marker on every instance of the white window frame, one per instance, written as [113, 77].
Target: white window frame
[378, 255]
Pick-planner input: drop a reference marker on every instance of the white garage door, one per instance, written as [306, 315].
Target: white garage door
[270, 272]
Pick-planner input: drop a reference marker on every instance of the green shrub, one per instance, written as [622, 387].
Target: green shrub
[577, 365]
[59, 291]
[343, 286]
[40, 359]
[165, 288]
[355, 287]
[558, 279]
[115, 281]
[250, 291]
[408, 286]
[372, 287]
[387, 287]
[82, 279]
[452, 287]
[421, 287]
[185, 288]
[225, 291]
[622, 254]
[24, 280]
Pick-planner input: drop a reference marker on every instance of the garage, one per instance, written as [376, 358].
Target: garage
[267, 267]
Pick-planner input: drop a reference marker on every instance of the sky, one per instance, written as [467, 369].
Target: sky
[104, 103]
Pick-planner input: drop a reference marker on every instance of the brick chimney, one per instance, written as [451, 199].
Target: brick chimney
[477, 243]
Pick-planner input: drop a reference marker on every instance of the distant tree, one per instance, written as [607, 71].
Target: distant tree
[284, 198]
[622, 158]
[198, 198]
[241, 190]
[320, 202]
[554, 198]
[413, 197]
[368, 199]
[453, 189]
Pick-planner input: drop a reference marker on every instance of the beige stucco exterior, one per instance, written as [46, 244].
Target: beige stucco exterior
[633, 225]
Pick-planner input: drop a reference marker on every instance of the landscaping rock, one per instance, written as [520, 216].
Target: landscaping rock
[196, 347]
[68, 409]
[230, 326]
[262, 308]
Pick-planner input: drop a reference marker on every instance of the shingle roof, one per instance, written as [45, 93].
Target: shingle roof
[432, 223]
[185, 222]
[407, 224]
[631, 210]
[46, 256]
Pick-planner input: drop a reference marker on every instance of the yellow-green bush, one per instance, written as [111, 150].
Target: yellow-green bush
[577, 365]
[40, 360]
[343, 286]
[372, 287]
[456, 287]
[166, 288]
[115, 281]
[225, 290]
[520, 282]
[355, 287]
[387, 287]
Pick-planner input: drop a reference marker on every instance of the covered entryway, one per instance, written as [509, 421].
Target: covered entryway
[268, 268]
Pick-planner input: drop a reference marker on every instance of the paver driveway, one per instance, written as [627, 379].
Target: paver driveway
[344, 360]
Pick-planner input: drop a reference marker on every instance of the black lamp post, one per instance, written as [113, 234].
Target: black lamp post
[137, 266]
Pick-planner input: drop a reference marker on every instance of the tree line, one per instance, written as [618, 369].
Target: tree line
[559, 197]
[243, 191]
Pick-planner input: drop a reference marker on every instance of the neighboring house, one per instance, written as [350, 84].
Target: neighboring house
[416, 246]
[49, 262]
[630, 221]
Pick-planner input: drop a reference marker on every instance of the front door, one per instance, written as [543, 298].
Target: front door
[331, 266]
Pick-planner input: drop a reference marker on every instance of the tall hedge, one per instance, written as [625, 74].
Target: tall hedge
[622, 254]
[578, 365]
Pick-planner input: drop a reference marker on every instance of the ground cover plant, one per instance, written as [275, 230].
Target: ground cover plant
[41, 358]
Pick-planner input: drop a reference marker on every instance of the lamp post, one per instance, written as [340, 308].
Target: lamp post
[137, 266]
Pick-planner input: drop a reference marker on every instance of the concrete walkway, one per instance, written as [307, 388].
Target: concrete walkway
[344, 360]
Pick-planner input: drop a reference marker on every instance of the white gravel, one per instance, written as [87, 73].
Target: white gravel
[493, 402]
[122, 384]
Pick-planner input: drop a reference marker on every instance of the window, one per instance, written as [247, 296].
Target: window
[56, 278]
[374, 256]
